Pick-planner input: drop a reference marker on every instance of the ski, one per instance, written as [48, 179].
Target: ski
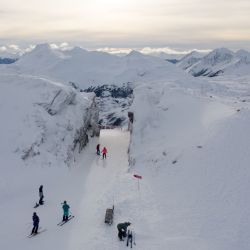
[134, 239]
[38, 205]
[63, 222]
[130, 239]
[33, 235]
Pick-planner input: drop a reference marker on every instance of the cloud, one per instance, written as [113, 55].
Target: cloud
[151, 50]
[167, 50]
[3, 49]
[115, 50]
[61, 46]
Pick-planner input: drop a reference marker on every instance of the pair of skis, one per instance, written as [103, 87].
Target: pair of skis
[131, 238]
[35, 234]
[61, 223]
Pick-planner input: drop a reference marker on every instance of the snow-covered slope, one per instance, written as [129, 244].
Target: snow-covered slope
[37, 116]
[190, 143]
[218, 62]
[192, 151]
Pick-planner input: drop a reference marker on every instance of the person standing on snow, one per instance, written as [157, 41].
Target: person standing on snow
[98, 149]
[36, 220]
[104, 153]
[65, 208]
[122, 229]
[41, 195]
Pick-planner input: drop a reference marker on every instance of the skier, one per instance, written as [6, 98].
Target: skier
[122, 229]
[65, 208]
[98, 149]
[104, 153]
[36, 220]
[41, 195]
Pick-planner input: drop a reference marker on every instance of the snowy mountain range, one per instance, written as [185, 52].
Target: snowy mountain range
[189, 142]
[218, 62]
[87, 68]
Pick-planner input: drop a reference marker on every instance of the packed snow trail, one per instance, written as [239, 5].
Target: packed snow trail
[89, 186]
[88, 231]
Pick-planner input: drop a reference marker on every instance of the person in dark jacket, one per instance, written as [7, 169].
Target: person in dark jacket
[65, 208]
[122, 229]
[36, 220]
[41, 195]
[98, 149]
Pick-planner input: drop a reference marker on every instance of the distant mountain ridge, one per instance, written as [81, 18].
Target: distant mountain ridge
[218, 62]
[90, 68]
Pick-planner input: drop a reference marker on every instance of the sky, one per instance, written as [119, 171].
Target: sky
[182, 24]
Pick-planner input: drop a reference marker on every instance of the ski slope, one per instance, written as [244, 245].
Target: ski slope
[90, 185]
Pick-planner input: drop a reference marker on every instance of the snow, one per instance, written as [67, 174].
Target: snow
[90, 186]
[86, 68]
[192, 152]
[190, 144]
[190, 59]
[220, 61]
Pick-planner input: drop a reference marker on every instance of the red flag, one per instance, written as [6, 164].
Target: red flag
[137, 176]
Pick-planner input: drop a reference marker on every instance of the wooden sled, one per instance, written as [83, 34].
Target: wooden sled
[109, 215]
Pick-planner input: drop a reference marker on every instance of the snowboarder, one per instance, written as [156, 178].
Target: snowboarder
[98, 149]
[41, 195]
[36, 220]
[104, 153]
[122, 229]
[65, 208]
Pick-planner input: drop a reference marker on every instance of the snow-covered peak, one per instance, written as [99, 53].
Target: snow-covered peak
[40, 58]
[244, 55]
[190, 59]
[192, 54]
[135, 54]
[221, 61]
[76, 51]
[218, 56]
[43, 50]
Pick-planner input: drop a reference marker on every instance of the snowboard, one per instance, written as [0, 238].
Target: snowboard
[63, 222]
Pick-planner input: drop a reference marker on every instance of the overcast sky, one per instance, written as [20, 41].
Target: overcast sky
[127, 23]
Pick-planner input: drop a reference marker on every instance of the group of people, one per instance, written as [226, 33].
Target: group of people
[36, 218]
[122, 227]
[104, 151]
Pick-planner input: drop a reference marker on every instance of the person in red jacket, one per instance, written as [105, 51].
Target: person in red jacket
[104, 153]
